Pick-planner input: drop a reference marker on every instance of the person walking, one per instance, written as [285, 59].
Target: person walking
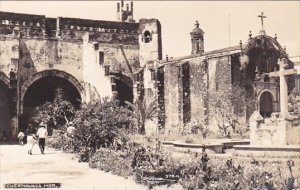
[21, 136]
[30, 132]
[42, 135]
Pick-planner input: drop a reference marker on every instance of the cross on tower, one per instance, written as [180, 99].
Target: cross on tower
[197, 24]
[282, 73]
[262, 19]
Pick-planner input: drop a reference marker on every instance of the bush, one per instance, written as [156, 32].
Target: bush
[116, 162]
[102, 124]
[194, 172]
[56, 140]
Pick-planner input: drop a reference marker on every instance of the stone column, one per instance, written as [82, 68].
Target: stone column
[254, 124]
[283, 91]
[136, 93]
[113, 88]
[180, 95]
[281, 132]
[14, 104]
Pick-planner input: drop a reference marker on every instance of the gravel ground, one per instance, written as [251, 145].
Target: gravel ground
[16, 166]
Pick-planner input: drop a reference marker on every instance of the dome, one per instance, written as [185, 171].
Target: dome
[197, 30]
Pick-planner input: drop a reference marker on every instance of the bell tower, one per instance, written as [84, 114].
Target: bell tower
[197, 39]
[125, 14]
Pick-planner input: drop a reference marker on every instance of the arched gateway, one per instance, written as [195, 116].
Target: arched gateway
[42, 86]
[4, 104]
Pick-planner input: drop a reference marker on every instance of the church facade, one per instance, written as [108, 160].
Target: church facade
[189, 88]
[93, 59]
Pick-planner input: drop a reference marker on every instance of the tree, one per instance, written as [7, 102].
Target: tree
[144, 110]
[229, 106]
[294, 100]
[56, 113]
[102, 124]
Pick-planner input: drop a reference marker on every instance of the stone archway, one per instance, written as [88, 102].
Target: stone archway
[266, 101]
[42, 86]
[4, 105]
[125, 92]
[123, 88]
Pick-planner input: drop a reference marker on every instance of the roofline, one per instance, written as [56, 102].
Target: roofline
[208, 54]
[71, 18]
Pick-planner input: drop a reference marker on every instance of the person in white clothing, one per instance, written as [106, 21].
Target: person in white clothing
[42, 135]
[70, 129]
[21, 136]
[30, 132]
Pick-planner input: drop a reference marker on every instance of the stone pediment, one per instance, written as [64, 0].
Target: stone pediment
[256, 117]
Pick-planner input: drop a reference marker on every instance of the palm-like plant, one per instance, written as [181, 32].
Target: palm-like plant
[145, 110]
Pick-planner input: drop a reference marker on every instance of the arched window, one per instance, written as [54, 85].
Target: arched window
[266, 104]
[147, 37]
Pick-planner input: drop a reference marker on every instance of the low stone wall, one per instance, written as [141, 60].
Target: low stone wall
[267, 152]
[215, 148]
[293, 135]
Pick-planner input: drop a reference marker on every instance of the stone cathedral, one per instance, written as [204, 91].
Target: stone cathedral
[93, 59]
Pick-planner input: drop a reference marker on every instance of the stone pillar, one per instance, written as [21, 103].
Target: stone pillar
[113, 88]
[14, 104]
[253, 128]
[14, 127]
[136, 91]
[281, 132]
[87, 88]
[254, 122]
[180, 95]
[57, 34]
[283, 96]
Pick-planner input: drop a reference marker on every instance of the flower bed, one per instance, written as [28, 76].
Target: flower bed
[116, 162]
[153, 168]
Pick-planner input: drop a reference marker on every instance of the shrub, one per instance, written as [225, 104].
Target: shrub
[116, 162]
[56, 113]
[195, 172]
[56, 140]
[103, 124]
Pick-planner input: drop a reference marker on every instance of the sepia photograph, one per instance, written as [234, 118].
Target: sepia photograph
[139, 95]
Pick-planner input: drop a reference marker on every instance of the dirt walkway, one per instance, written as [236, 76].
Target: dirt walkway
[16, 166]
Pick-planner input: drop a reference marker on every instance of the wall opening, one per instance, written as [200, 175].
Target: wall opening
[266, 104]
[147, 37]
[43, 90]
[125, 92]
[101, 58]
[4, 110]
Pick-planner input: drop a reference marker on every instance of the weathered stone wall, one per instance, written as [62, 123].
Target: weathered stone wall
[37, 55]
[94, 72]
[9, 54]
[198, 82]
[171, 97]
[195, 94]
[219, 78]
[293, 135]
[22, 24]
[114, 57]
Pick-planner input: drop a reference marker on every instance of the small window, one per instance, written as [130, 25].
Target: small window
[101, 58]
[147, 36]
[96, 46]
[266, 78]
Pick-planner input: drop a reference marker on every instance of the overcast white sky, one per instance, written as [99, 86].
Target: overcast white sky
[177, 19]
